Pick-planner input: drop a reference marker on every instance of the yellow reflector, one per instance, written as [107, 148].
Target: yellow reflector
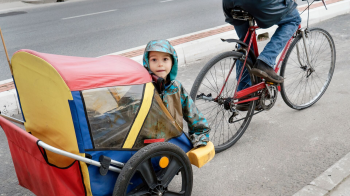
[164, 162]
[202, 155]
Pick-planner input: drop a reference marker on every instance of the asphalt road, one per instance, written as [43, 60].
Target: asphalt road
[94, 28]
[281, 151]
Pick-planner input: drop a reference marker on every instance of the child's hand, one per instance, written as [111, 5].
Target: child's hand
[199, 140]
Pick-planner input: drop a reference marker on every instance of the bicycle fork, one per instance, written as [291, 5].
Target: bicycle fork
[305, 43]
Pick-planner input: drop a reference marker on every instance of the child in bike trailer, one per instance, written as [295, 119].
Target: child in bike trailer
[160, 59]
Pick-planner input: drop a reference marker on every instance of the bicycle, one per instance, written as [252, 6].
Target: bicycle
[306, 80]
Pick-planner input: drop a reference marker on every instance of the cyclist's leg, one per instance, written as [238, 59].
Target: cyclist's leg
[245, 82]
[286, 28]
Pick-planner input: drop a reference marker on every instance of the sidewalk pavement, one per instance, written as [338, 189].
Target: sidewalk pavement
[8, 1]
[15, 5]
[195, 46]
[9, 6]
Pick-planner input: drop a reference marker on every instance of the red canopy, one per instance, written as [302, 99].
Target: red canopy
[82, 73]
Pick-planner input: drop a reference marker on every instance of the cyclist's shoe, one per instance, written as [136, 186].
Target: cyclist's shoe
[261, 69]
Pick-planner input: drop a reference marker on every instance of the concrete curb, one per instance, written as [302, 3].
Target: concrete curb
[9, 102]
[41, 1]
[8, 1]
[191, 51]
[329, 181]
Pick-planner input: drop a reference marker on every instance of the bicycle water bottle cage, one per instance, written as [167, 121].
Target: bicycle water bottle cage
[239, 14]
[158, 82]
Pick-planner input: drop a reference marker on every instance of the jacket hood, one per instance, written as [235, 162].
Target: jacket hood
[161, 46]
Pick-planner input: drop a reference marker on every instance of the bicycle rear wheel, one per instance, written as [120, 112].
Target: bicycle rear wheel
[209, 81]
[304, 85]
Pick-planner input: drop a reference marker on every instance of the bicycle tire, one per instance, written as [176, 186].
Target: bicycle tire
[141, 161]
[246, 117]
[317, 38]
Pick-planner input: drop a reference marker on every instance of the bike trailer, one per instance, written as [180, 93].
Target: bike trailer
[75, 110]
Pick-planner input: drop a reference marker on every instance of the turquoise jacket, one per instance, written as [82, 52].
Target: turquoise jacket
[174, 96]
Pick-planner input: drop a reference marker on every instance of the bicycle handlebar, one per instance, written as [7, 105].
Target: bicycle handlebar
[307, 8]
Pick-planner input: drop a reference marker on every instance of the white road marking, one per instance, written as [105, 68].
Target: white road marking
[165, 1]
[88, 14]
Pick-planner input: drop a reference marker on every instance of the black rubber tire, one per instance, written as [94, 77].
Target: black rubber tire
[197, 83]
[284, 93]
[154, 150]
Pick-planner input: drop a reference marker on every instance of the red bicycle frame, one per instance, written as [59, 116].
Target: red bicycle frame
[243, 93]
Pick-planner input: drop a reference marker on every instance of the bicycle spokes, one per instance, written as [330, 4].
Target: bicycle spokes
[213, 92]
[307, 77]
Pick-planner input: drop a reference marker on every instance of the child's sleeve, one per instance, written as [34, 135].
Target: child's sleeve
[196, 122]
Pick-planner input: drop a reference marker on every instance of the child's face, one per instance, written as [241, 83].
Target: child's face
[160, 63]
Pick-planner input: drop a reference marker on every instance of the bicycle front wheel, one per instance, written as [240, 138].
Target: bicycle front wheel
[305, 84]
[209, 83]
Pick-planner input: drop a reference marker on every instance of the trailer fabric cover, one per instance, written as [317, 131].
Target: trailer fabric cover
[44, 99]
[81, 73]
[34, 173]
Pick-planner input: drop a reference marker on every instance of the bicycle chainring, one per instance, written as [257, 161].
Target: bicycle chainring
[267, 100]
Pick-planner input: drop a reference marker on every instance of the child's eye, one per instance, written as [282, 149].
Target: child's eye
[166, 59]
[154, 60]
